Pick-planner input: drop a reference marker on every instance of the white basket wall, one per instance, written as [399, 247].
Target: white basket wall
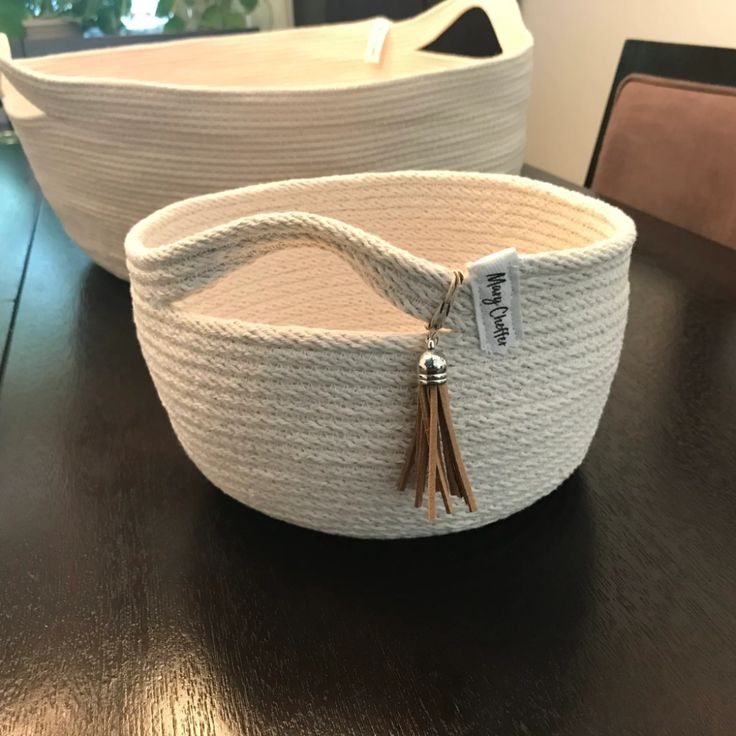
[282, 323]
[114, 134]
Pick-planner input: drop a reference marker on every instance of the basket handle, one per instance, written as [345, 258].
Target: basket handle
[13, 80]
[417, 32]
[21, 82]
[5, 57]
[164, 273]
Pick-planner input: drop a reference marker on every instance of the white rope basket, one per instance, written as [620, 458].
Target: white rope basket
[281, 324]
[114, 134]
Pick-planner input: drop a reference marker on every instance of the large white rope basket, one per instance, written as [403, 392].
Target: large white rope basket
[282, 323]
[114, 134]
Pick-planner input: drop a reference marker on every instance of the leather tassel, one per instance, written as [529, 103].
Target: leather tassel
[434, 454]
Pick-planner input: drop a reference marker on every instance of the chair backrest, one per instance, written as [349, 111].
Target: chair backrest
[706, 64]
[670, 150]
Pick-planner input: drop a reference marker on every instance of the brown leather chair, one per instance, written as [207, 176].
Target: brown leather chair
[667, 144]
[670, 150]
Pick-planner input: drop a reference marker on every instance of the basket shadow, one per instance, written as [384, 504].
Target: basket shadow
[487, 609]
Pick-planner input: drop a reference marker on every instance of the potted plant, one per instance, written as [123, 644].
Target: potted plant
[210, 15]
[53, 18]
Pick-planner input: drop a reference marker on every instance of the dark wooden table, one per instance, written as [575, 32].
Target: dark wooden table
[137, 599]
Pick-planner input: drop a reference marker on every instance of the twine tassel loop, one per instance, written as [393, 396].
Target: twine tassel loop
[434, 454]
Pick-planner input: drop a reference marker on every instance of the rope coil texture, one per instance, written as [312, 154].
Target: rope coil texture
[114, 134]
[281, 324]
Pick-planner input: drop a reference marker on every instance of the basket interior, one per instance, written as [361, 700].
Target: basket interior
[303, 58]
[447, 219]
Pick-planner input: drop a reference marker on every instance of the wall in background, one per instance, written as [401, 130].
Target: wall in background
[577, 46]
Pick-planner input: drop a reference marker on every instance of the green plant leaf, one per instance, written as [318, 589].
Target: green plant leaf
[123, 8]
[13, 10]
[78, 8]
[12, 15]
[91, 10]
[52, 8]
[233, 20]
[175, 25]
[249, 5]
[164, 8]
[212, 18]
[108, 21]
[11, 24]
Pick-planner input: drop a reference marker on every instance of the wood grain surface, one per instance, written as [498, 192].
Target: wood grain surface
[19, 202]
[137, 599]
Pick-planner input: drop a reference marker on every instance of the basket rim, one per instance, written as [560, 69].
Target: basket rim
[532, 265]
[25, 67]
[625, 229]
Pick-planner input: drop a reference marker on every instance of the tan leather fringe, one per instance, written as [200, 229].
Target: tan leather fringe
[434, 454]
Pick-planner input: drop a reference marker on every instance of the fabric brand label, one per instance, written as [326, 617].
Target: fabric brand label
[495, 283]
[376, 40]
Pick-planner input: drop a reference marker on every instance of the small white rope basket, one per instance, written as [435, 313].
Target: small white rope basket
[281, 324]
[114, 134]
